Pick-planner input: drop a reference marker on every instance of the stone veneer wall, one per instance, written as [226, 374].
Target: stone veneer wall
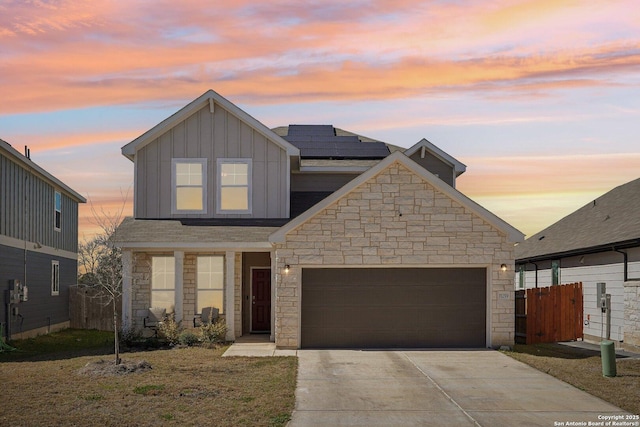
[141, 283]
[141, 289]
[395, 218]
[237, 304]
[632, 314]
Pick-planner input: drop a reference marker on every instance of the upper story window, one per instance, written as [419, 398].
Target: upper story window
[234, 186]
[189, 184]
[57, 216]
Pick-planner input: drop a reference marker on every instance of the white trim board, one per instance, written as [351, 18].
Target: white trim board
[31, 247]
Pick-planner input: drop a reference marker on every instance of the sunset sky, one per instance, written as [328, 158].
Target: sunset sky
[540, 99]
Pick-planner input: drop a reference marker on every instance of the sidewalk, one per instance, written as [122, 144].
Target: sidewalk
[595, 347]
[256, 346]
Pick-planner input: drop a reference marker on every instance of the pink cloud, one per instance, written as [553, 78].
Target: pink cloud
[72, 54]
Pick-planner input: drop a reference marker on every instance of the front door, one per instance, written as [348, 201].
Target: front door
[261, 300]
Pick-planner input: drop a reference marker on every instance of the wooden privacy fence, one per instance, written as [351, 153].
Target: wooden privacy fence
[549, 314]
[88, 310]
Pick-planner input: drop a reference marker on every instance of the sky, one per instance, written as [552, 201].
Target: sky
[540, 98]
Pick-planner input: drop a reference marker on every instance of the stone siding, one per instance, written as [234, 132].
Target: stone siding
[141, 288]
[395, 218]
[632, 315]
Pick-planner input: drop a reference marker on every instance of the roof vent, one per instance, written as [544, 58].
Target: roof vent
[541, 237]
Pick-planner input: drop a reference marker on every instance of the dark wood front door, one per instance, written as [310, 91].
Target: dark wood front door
[261, 300]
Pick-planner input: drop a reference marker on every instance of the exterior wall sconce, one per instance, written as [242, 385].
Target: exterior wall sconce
[286, 268]
[503, 267]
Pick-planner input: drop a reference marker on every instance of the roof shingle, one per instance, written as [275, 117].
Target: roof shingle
[612, 218]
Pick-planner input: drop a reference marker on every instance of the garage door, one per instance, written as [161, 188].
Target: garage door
[393, 307]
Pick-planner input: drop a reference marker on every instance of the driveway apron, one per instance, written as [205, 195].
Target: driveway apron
[434, 387]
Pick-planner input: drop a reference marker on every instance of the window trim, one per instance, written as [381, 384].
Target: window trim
[222, 285]
[219, 163]
[174, 186]
[151, 288]
[57, 213]
[55, 277]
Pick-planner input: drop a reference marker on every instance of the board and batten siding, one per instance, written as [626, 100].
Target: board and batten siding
[27, 209]
[436, 166]
[211, 136]
[596, 268]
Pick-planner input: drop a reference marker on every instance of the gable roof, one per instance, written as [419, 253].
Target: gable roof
[610, 221]
[210, 98]
[512, 233]
[458, 167]
[14, 155]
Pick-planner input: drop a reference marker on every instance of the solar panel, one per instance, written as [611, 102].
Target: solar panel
[311, 130]
[320, 142]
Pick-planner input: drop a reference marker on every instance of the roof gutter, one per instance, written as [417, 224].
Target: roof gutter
[626, 244]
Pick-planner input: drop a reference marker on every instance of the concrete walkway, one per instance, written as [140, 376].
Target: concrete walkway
[432, 387]
[256, 346]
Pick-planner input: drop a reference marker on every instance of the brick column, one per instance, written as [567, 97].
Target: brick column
[632, 313]
[127, 291]
[229, 289]
[179, 277]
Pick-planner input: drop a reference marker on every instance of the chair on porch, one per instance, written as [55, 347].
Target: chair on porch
[155, 317]
[208, 315]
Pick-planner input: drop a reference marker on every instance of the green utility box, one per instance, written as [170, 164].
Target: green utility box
[608, 355]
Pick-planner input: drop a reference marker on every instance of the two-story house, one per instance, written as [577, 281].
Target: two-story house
[38, 245]
[314, 235]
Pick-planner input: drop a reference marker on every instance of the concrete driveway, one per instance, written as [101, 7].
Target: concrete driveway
[433, 387]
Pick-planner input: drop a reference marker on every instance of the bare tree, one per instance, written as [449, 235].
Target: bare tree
[102, 262]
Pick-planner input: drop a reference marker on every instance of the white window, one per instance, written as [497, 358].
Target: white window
[210, 283]
[163, 282]
[55, 278]
[189, 183]
[234, 186]
[57, 215]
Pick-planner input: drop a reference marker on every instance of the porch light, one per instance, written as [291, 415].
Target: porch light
[286, 268]
[503, 267]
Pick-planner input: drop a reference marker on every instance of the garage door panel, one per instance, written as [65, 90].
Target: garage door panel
[393, 307]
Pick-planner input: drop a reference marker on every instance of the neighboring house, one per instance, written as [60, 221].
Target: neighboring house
[38, 244]
[314, 235]
[598, 243]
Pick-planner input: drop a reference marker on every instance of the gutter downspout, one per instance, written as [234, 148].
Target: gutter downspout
[626, 263]
[536, 265]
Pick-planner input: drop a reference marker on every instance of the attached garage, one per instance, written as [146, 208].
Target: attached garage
[393, 307]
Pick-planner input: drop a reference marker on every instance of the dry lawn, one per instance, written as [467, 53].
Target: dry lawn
[186, 387]
[583, 369]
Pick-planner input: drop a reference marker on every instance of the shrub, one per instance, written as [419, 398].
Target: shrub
[130, 337]
[169, 329]
[187, 338]
[213, 332]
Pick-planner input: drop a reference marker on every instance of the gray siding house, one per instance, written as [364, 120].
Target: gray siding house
[598, 243]
[313, 235]
[38, 244]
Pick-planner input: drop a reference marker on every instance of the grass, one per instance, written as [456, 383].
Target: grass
[186, 386]
[70, 342]
[583, 369]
